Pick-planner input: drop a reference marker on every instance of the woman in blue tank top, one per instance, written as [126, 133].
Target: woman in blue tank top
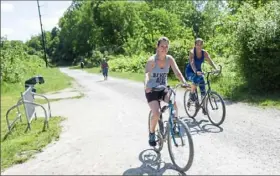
[157, 69]
[193, 70]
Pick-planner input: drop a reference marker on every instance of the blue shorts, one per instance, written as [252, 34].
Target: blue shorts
[105, 71]
[195, 78]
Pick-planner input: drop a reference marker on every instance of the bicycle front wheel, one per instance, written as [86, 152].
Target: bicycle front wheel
[215, 102]
[180, 145]
[190, 106]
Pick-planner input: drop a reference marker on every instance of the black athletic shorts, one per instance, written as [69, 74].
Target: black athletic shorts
[155, 95]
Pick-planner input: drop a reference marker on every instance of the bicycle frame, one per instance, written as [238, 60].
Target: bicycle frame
[201, 104]
[166, 132]
[172, 112]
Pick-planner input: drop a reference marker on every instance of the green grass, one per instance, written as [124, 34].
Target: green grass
[54, 80]
[19, 146]
[269, 100]
[265, 100]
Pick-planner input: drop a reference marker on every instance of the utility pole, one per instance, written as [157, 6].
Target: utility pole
[43, 38]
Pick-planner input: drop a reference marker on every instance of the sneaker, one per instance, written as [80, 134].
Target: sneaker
[152, 139]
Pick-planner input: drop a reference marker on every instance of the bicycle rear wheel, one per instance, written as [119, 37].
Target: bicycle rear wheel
[159, 137]
[190, 106]
[174, 142]
[214, 102]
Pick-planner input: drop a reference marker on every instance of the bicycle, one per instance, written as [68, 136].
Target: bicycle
[205, 99]
[166, 129]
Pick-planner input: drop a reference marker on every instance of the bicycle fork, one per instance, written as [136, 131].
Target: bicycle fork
[172, 126]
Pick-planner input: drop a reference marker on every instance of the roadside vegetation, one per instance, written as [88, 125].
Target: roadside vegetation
[17, 65]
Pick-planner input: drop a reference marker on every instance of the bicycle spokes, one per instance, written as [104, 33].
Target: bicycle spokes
[213, 103]
[177, 132]
[190, 105]
[212, 107]
[180, 145]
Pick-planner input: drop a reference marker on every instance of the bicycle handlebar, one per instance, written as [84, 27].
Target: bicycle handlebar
[214, 71]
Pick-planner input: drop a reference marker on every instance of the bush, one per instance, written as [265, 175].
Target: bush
[257, 34]
[179, 49]
[135, 63]
[15, 63]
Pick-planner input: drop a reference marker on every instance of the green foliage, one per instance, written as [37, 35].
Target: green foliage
[17, 65]
[240, 35]
[235, 5]
[179, 50]
[258, 44]
[135, 63]
[15, 62]
[95, 59]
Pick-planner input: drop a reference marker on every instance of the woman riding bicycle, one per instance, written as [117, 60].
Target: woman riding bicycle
[193, 70]
[157, 69]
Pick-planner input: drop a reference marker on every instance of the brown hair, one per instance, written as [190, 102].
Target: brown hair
[197, 40]
[162, 39]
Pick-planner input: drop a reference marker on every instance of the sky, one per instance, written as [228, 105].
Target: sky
[20, 19]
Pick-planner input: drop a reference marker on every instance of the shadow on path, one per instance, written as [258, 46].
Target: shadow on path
[152, 165]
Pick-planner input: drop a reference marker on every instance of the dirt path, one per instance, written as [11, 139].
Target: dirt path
[106, 133]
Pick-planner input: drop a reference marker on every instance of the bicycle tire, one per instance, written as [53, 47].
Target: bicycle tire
[223, 108]
[185, 105]
[190, 144]
[160, 141]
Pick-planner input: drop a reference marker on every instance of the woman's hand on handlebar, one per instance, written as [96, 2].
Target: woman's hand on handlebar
[185, 85]
[199, 73]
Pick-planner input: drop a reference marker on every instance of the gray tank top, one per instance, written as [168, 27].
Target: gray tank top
[158, 75]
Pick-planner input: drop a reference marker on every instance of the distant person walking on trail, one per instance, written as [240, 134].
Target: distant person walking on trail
[82, 63]
[104, 67]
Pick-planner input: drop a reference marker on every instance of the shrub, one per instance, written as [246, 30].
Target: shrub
[257, 34]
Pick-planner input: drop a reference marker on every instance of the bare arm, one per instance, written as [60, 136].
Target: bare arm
[191, 59]
[176, 70]
[148, 70]
[209, 60]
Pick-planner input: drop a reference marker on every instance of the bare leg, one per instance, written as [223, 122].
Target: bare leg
[193, 87]
[154, 106]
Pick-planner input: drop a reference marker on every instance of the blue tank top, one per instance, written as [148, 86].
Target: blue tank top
[158, 76]
[197, 62]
